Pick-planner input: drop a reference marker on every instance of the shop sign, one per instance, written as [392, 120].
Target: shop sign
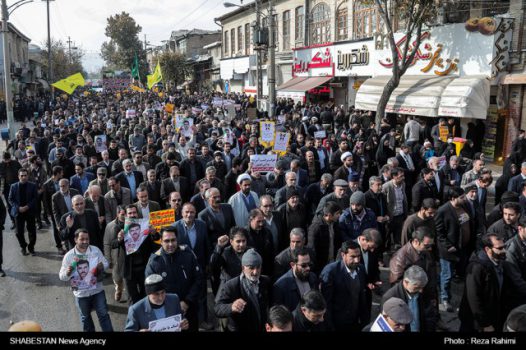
[313, 62]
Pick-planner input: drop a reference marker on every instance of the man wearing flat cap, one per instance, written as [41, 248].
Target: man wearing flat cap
[339, 195]
[244, 300]
[244, 200]
[395, 316]
[155, 306]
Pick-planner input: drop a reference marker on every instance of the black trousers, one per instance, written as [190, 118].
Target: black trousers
[23, 220]
[56, 233]
[1, 247]
[135, 286]
[7, 187]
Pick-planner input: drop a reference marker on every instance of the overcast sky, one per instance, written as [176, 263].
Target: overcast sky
[84, 21]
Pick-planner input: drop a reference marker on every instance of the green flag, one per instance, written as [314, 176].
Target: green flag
[135, 68]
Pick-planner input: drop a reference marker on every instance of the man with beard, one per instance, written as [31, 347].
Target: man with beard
[153, 186]
[507, 226]
[219, 217]
[299, 280]
[422, 218]
[66, 164]
[281, 194]
[339, 195]
[424, 188]
[243, 201]
[315, 192]
[343, 286]
[481, 305]
[260, 238]
[244, 300]
[184, 277]
[357, 218]
[155, 306]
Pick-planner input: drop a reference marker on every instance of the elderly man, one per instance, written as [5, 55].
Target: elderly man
[395, 316]
[219, 217]
[339, 196]
[101, 180]
[155, 306]
[130, 178]
[243, 201]
[117, 195]
[95, 201]
[281, 194]
[80, 217]
[244, 300]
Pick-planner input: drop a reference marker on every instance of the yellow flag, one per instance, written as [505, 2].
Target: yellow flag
[155, 77]
[137, 88]
[70, 83]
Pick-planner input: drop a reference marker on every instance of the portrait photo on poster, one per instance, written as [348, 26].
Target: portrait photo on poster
[135, 232]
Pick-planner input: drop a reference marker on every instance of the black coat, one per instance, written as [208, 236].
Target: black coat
[96, 235]
[447, 231]
[285, 291]
[422, 190]
[481, 304]
[124, 181]
[313, 195]
[215, 229]
[318, 240]
[514, 274]
[154, 192]
[167, 187]
[250, 320]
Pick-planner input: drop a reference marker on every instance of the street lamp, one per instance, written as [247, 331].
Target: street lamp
[271, 71]
[6, 11]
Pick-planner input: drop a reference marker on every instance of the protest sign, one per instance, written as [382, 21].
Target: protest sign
[130, 113]
[380, 325]
[267, 131]
[281, 141]
[84, 276]
[135, 232]
[100, 143]
[168, 324]
[320, 134]
[162, 218]
[263, 162]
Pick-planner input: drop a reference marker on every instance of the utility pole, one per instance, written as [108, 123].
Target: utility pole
[7, 71]
[271, 67]
[259, 72]
[49, 68]
[69, 48]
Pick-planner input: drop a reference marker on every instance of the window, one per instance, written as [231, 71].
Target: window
[298, 23]
[247, 39]
[367, 20]
[275, 31]
[341, 22]
[286, 30]
[233, 41]
[225, 43]
[320, 24]
[240, 39]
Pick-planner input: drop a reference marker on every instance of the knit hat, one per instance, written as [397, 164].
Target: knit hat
[509, 196]
[398, 310]
[242, 178]
[251, 258]
[345, 155]
[358, 198]
[291, 192]
[355, 177]
[154, 283]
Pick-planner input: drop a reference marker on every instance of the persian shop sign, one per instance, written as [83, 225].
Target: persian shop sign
[313, 62]
[448, 50]
[354, 58]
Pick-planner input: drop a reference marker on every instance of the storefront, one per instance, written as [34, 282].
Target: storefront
[235, 71]
[455, 73]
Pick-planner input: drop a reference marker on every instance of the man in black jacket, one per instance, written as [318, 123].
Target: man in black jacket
[324, 235]
[309, 316]
[244, 300]
[481, 306]
[515, 269]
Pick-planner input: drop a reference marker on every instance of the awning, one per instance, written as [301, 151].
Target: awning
[303, 84]
[466, 97]
[510, 79]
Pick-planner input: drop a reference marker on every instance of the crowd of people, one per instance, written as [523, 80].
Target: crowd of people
[298, 248]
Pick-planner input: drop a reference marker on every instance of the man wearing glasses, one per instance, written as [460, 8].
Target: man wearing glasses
[101, 180]
[22, 198]
[299, 280]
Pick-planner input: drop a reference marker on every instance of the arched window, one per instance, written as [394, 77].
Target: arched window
[320, 24]
[341, 22]
[367, 20]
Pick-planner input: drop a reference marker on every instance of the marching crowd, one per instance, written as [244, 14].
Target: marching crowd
[299, 248]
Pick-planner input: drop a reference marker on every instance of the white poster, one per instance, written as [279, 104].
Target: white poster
[267, 131]
[84, 275]
[281, 141]
[168, 324]
[130, 113]
[263, 162]
[135, 232]
[100, 143]
[320, 134]
[381, 325]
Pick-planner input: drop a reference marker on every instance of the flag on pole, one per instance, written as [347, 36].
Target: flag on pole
[135, 68]
[70, 83]
[155, 77]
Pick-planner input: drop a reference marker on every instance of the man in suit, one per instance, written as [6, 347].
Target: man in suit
[424, 188]
[175, 182]
[80, 217]
[106, 162]
[101, 180]
[515, 183]
[323, 155]
[191, 168]
[153, 186]
[397, 205]
[144, 205]
[156, 302]
[51, 187]
[483, 183]
[22, 197]
[312, 168]
[408, 163]
[283, 259]
[95, 201]
[198, 200]
[129, 178]
[219, 217]
[299, 280]
[80, 181]
[343, 285]
[369, 240]
[117, 195]
[302, 177]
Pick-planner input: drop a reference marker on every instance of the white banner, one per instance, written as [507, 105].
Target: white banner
[168, 324]
[263, 162]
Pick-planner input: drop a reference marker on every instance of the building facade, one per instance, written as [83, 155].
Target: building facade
[19, 55]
